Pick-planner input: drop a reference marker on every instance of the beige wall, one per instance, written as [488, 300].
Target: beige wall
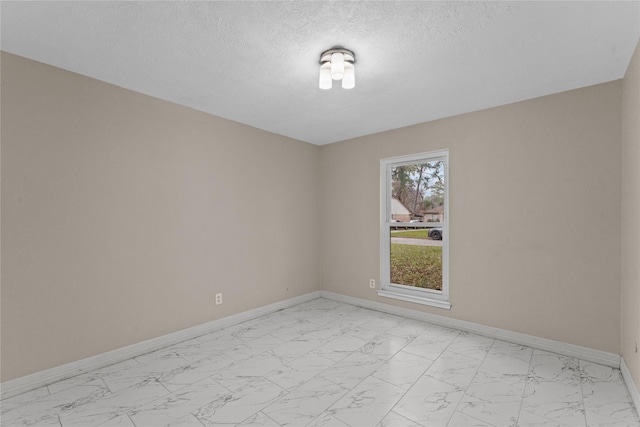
[546, 261]
[631, 216]
[123, 215]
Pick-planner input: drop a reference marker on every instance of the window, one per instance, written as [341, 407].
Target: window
[414, 231]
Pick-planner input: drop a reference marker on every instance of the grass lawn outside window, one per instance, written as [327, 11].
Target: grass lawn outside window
[419, 266]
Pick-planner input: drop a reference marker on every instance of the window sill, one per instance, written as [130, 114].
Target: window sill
[415, 299]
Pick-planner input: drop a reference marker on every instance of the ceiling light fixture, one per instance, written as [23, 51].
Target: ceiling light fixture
[337, 64]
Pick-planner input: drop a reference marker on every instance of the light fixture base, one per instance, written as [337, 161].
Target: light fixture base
[348, 55]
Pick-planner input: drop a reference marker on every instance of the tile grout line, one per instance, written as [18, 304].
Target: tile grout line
[423, 374]
[584, 406]
[474, 375]
[129, 417]
[371, 374]
[414, 383]
[524, 389]
[368, 376]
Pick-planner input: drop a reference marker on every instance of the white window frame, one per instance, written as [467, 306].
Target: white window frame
[429, 297]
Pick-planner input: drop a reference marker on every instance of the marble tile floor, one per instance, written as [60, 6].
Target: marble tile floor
[324, 363]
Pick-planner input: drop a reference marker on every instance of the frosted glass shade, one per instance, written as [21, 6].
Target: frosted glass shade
[349, 79]
[337, 66]
[325, 76]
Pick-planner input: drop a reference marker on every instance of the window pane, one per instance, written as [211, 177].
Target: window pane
[417, 197]
[417, 192]
[416, 256]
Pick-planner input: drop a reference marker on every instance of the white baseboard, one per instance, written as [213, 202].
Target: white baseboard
[49, 376]
[584, 353]
[631, 384]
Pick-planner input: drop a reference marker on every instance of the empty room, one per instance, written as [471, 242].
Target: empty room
[339, 214]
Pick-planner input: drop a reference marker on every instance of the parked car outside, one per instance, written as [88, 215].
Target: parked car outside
[435, 233]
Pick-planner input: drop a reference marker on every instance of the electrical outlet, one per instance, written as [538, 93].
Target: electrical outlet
[218, 299]
[372, 283]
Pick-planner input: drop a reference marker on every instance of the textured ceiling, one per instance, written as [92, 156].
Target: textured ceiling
[257, 62]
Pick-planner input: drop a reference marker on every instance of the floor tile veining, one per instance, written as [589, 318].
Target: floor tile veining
[325, 363]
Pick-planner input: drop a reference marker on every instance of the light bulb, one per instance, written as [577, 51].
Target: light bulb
[325, 75]
[349, 79]
[337, 66]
